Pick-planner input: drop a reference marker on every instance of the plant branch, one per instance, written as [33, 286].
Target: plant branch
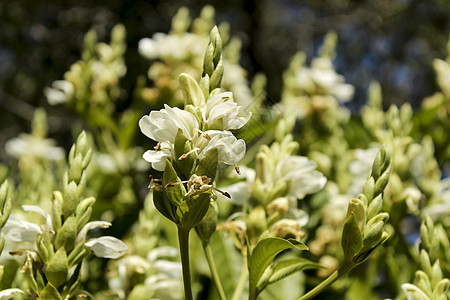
[212, 268]
[183, 239]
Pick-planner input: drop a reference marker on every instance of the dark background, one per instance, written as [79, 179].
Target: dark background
[391, 41]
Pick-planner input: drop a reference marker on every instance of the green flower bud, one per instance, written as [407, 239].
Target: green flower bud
[357, 208]
[193, 94]
[381, 183]
[5, 203]
[436, 275]
[383, 217]
[424, 261]
[216, 77]
[256, 224]
[207, 225]
[45, 247]
[76, 255]
[75, 169]
[84, 211]
[71, 196]
[56, 271]
[374, 207]
[57, 202]
[372, 236]
[67, 234]
[204, 85]
[351, 241]
[369, 188]
[2, 245]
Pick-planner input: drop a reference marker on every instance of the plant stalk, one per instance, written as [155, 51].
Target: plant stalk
[212, 268]
[242, 280]
[330, 279]
[183, 239]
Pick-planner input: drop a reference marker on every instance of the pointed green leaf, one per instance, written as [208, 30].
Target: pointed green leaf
[175, 192]
[192, 93]
[287, 267]
[263, 254]
[283, 269]
[163, 205]
[351, 237]
[50, 293]
[193, 210]
[208, 165]
[56, 271]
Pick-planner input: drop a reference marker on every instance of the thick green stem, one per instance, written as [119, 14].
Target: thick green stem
[183, 239]
[331, 279]
[242, 280]
[212, 268]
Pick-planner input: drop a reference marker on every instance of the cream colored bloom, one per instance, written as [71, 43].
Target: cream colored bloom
[301, 173]
[9, 293]
[163, 125]
[222, 113]
[230, 149]
[26, 144]
[107, 247]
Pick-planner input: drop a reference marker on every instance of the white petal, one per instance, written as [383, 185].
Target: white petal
[158, 126]
[184, 120]
[107, 247]
[413, 292]
[231, 150]
[81, 237]
[38, 210]
[158, 158]
[9, 293]
[17, 230]
[164, 251]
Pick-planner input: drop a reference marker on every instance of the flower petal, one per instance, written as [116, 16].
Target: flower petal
[107, 247]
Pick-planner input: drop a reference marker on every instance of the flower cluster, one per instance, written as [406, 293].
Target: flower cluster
[206, 130]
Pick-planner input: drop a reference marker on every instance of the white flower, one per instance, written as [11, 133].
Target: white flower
[222, 113]
[27, 144]
[413, 292]
[17, 230]
[173, 47]
[163, 125]
[60, 92]
[240, 192]
[301, 174]
[158, 157]
[107, 247]
[230, 149]
[81, 237]
[9, 293]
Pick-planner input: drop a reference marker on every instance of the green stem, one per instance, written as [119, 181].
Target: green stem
[212, 268]
[183, 239]
[242, 280]
[331, 279]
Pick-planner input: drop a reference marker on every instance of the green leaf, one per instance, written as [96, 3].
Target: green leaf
[208, 165]
[56, 271]
[228, 261]
[176, 192]
[192, 211]
[50, 293]
[163, 205]
[351, 237]
[181, 147]
[263, 254]
[287, 267]
[191, 91]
